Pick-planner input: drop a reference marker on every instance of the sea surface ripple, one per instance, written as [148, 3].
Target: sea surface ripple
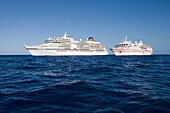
[85, 84]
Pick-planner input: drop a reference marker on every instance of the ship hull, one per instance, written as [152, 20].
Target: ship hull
[45, 52]
[129, 52]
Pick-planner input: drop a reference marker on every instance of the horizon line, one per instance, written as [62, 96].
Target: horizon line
[108, 54]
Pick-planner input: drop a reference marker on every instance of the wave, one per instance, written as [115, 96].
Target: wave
[85, 84]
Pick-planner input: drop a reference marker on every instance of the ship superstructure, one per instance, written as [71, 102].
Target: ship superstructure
[128, 48]
[67, 46]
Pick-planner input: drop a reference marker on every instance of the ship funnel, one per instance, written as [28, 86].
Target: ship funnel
[140, 42]
[90, 39]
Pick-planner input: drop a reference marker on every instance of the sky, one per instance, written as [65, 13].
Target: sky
[108, 21]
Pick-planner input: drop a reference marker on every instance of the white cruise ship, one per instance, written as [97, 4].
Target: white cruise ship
[128, 48]
[67, 46]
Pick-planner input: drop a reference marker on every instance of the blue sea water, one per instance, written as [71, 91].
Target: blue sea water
[85, 84]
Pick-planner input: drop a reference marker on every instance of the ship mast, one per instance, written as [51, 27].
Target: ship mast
[65, 35]
[126, 38]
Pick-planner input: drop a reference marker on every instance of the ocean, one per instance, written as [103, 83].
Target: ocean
[85, 84]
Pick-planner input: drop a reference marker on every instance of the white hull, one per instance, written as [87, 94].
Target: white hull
[128, 52]
[65, 52]
[131, 53]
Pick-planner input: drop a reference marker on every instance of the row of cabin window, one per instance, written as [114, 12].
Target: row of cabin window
[94, 46]
[122, 44]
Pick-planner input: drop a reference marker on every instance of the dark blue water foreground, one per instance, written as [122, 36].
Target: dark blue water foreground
[83, 84]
